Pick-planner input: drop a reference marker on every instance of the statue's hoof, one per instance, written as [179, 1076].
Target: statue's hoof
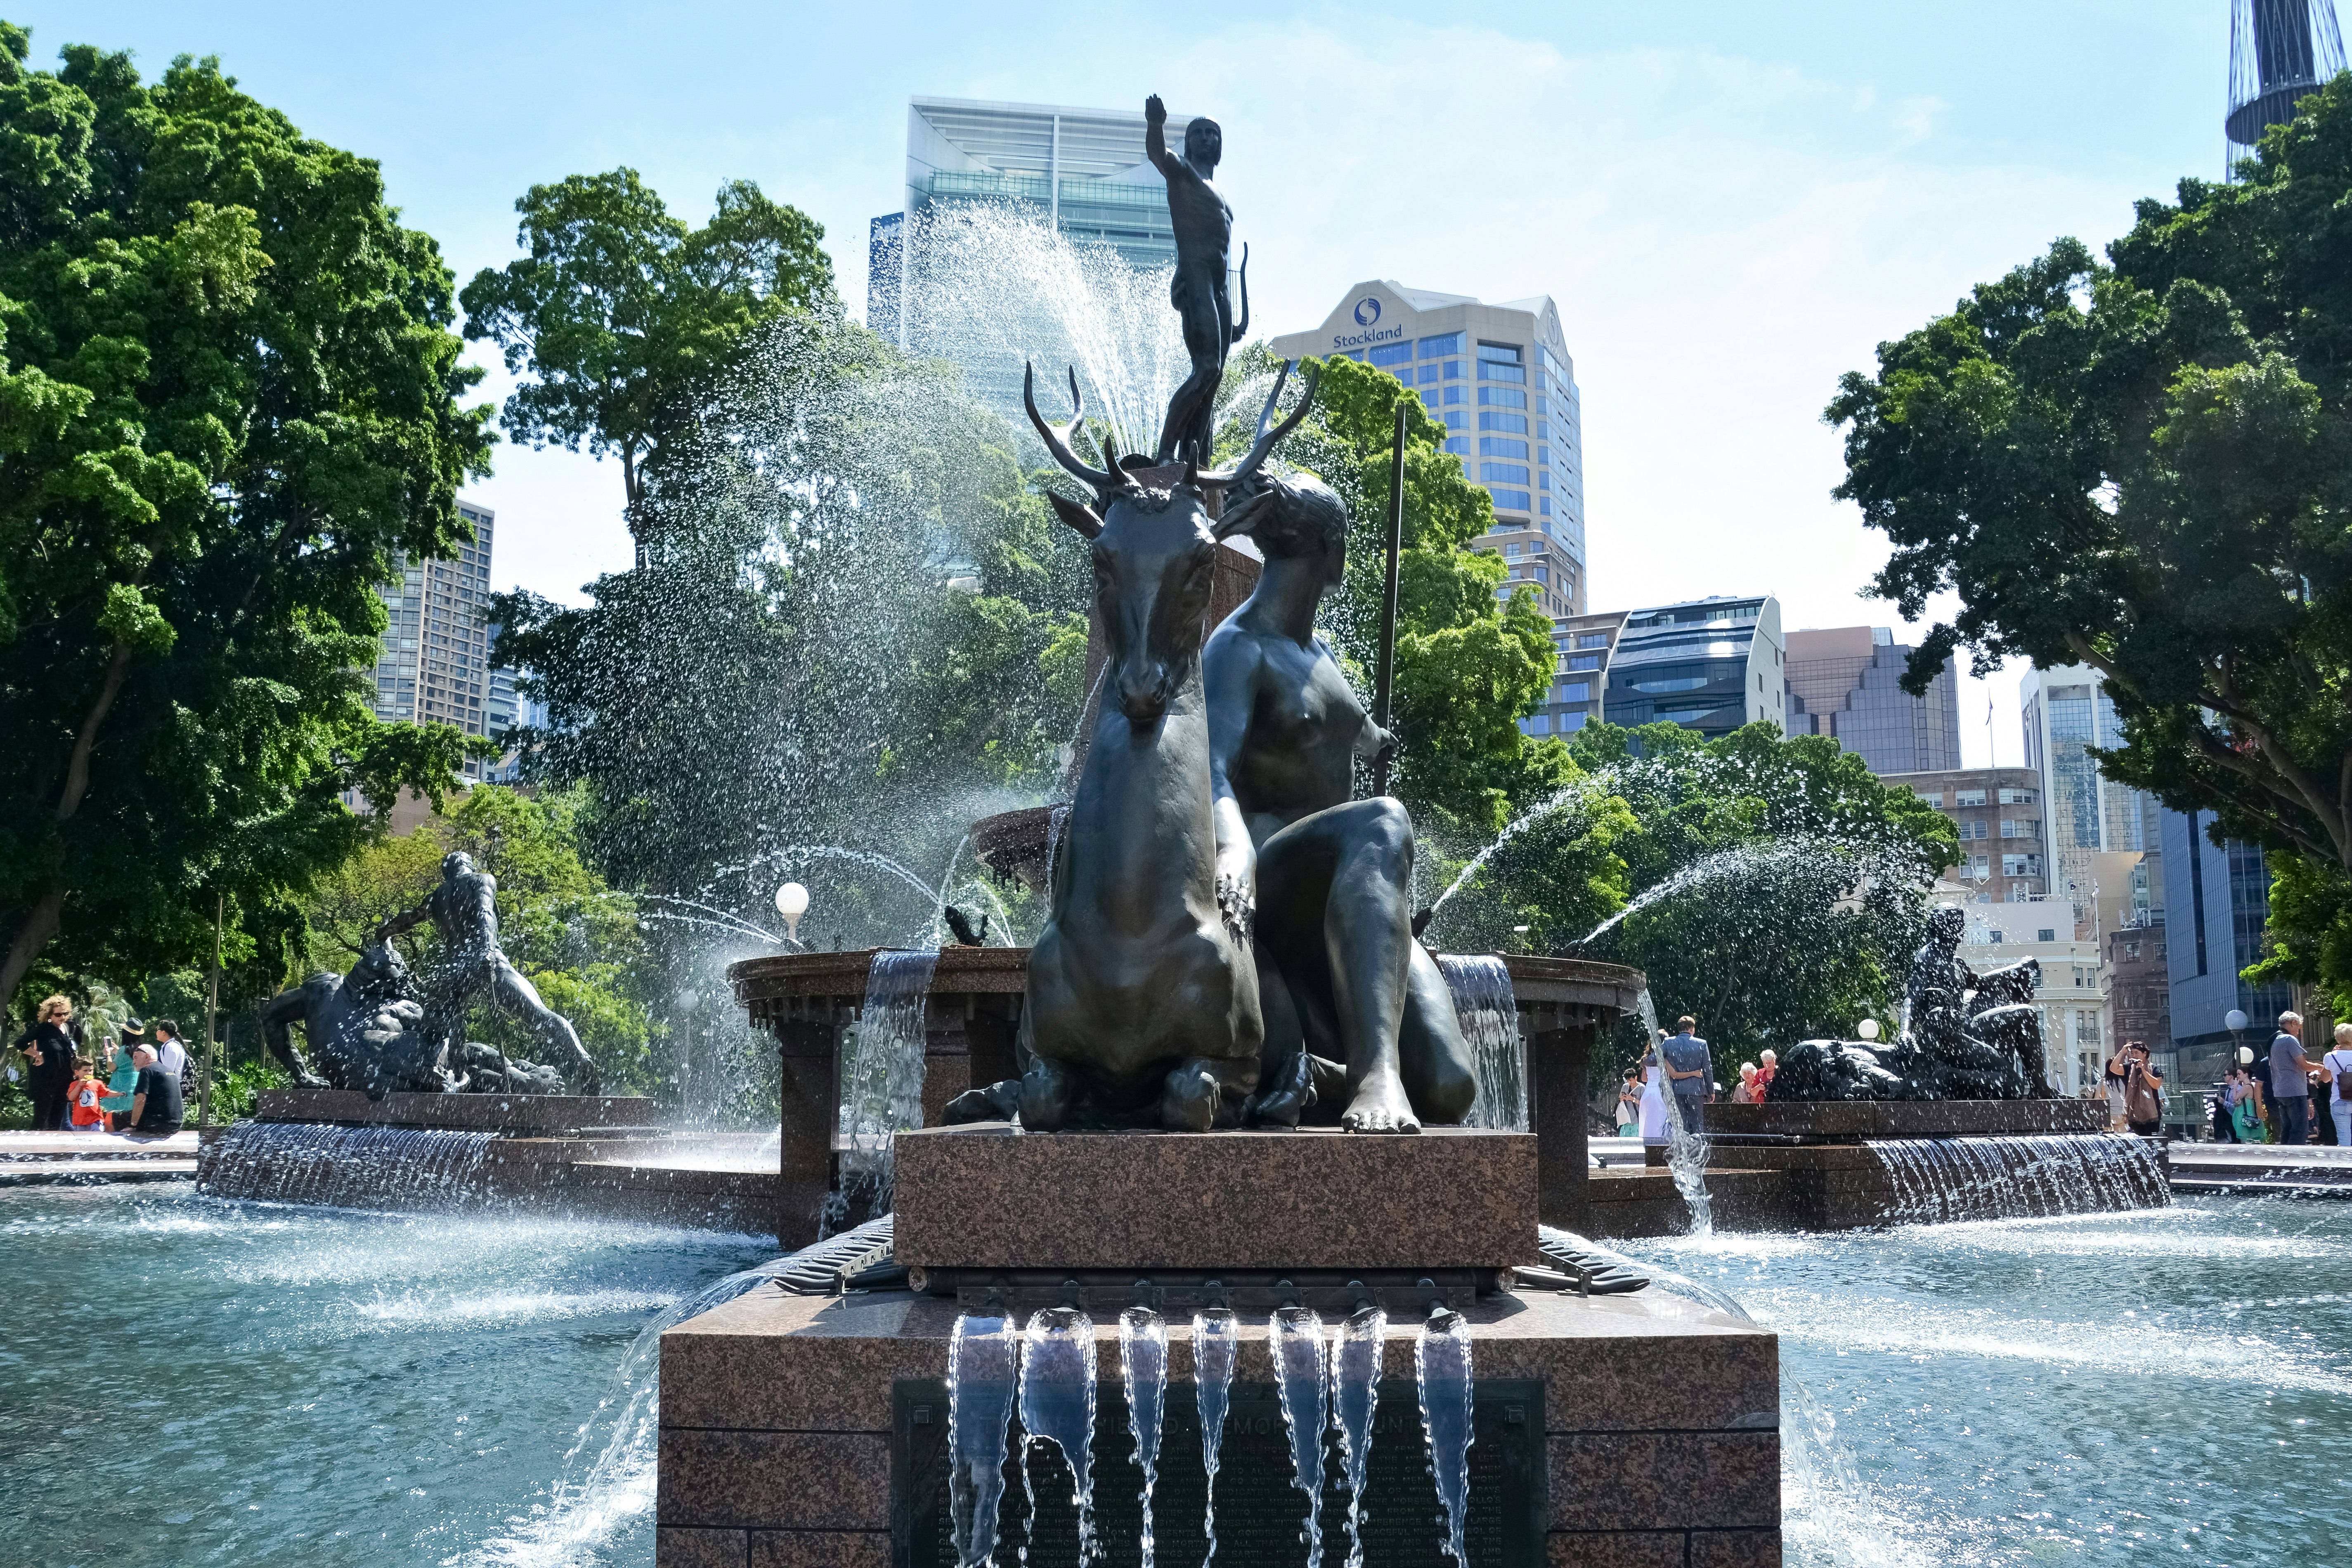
[1188, 1103]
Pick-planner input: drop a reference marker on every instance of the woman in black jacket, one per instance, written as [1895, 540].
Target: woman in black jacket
[51, 1057]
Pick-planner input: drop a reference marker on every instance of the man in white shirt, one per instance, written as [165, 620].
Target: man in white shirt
[171, 1056]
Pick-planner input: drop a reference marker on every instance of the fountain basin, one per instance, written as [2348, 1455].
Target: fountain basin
[974, 1010]
[792, 1428]
[553, 1154]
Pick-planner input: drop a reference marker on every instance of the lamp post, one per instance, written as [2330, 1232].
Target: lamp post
[792, 902]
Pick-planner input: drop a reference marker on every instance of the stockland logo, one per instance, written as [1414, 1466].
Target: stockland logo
[1368, 310]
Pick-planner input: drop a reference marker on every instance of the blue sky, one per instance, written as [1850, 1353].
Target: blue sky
[1730, 202]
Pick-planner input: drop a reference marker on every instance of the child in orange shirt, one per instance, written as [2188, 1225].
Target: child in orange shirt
[83, 1095]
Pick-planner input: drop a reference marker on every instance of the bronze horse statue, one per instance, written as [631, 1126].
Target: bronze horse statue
[1142, 1002]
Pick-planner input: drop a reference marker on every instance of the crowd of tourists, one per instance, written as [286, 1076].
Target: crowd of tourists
[2270, 1101]
[132, 1085]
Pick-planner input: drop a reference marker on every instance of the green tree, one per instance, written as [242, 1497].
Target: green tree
[1467, 668]
[629, 319]
[2146, 466]
[229, 395]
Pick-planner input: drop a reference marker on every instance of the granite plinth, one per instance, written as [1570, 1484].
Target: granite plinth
[984, 1197]
[778, 1415]
[1848, 1122]
[457, 1112]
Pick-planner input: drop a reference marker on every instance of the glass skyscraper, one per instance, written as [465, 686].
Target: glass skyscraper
[1846, 682]
[1500, 380]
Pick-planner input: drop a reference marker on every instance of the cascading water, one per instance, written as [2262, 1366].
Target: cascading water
[1355, 1357]
[1143, 1370]
[1057, 1405]
[882, 1075]
[981, 1378]
[1302, 1377]
[1216, 1341]
[1939, 1180]
[1685, 1150]
[347, 1167]
[1441, 1370]
[1488, 1011]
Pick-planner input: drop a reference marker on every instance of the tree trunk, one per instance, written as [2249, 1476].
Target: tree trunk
[40, 922]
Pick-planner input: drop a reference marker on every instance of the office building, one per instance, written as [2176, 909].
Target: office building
[1500, 379]
[434, 667]
[1083, 169]
[2137, 983]
[1582, 648]
[2086, 815]
[1710, 665]
[1998, 812]
[2217, 899]
[1846, 682]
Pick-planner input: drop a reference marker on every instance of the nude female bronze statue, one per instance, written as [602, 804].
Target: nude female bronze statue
[1204, 225]
[1357, 1017]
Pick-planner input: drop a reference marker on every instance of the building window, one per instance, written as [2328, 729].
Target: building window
[1456, 419]
[1576, 691]
[1502, 397]
[1592, 639]
[2016, 796]
[1515, 423]
[1390, 354]
[1510, 500]
[1429, 376]
[1968, 797]
[1459, 445]
[1503, 473]
[1453, 393]
[1543, 504]
[1498, 354]
[1585, 661]
[1502, 447]
[1454, 370]
[1438, 347]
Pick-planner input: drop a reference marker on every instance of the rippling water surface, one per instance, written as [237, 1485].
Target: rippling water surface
[186, 1381]
[191, 1381]
[2169, 1387]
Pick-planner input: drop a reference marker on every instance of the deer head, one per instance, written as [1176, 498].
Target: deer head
[1154, 552]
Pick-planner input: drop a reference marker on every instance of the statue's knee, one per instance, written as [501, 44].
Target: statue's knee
[1452, 1091]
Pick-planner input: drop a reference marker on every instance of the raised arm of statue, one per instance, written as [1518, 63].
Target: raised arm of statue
[1155, 137]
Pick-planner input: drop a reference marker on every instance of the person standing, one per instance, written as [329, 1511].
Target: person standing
[1690, 1071]
[1629, 1105]
[156, 1109]
[1654, 1128]
[123, 1078]
[2143, 1091]
[2291, 1081]
[50, 1060]
[1768, 1068]
[171, 1055]
[2338, 1063]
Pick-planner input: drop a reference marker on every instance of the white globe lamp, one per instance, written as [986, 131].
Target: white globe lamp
[792, 902]
[1867, 1028]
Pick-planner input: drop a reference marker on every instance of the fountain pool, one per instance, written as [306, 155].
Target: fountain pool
[2165, 1385]
[191, 1380]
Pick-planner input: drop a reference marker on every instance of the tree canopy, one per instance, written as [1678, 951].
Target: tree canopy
[628, 319]
[229, 393]
[2145, 465]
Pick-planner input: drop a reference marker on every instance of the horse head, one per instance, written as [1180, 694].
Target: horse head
[1154, 550]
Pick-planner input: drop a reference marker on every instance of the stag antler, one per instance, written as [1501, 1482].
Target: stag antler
[1269, 433]
[1057, 439]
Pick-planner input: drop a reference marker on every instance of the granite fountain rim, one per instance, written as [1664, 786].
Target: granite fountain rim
[1539, 982]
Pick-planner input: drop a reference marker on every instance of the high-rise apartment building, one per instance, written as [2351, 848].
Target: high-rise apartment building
[2067, 713]
[1998, 812]
[436, 661]
[1500, 379]
[1083, 168]
[1846, 682]
[1710, 665]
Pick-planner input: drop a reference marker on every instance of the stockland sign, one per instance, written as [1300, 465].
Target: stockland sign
[1366, 313]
